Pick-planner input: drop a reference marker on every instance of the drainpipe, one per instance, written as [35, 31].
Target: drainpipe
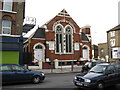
[108, 48]
[21, 50]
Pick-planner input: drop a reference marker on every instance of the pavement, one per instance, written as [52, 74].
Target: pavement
[61, 70]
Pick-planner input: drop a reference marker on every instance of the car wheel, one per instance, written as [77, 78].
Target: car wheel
[100, 86]
[36, 79]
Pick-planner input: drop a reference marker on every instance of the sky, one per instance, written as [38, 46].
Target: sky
[101, 15]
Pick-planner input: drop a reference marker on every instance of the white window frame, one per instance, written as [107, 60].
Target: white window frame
[7, 2]
[70, 40]
[60, 51]
[112, 33]
[9, 27]
[112, 42]
[116, 53]
[63, 44]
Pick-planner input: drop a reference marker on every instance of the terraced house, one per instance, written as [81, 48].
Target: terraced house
[60, 42]
[11, 26]
[113, 41]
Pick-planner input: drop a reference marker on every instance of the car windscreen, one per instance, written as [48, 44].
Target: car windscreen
[98, 69]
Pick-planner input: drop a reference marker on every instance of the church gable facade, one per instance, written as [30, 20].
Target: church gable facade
[64, 43]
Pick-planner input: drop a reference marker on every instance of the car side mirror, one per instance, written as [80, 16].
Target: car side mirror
[26, 70]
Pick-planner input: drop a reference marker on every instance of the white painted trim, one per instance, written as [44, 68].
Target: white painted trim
[88, 48]
[44, 26]
[86, 26]
[55, 25]
[65, 60]
[8, 35]
[54, 29]
[70, 27]
[8, 11]
[39, 38]
[72, 44]
[58, 22]
[64, 16]
[64, 53]
[26, 41]
[85, 41]
[46, 30]
[39, 44]
[73, 29]
[42, 49]
[68, 66]
[49, 30]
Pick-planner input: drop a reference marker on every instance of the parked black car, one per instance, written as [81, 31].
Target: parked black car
[13, 73]
[88, 65]
[100, 76]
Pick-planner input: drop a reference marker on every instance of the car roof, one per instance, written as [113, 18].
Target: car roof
[96, 61]
[108, 63]
[105, 64]
[8, 64]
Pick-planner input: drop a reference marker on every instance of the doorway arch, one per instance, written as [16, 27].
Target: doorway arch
[85, 52]
[39, 52]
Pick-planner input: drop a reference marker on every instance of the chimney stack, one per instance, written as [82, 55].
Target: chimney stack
[86, 29]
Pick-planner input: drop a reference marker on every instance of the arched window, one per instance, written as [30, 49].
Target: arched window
[68, 39]
[59, 38]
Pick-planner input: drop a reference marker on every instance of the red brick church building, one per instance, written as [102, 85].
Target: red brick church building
[59, 42]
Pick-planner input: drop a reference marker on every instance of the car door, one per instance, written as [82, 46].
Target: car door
[111, 75]
[21, 75]
[6, 73]
[117, 66]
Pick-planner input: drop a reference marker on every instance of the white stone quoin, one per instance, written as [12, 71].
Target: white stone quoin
[56, 63]
[40, 64]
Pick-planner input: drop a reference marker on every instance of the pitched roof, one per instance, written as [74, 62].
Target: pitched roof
[84, 37]
[40, 33]
[115, 28]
